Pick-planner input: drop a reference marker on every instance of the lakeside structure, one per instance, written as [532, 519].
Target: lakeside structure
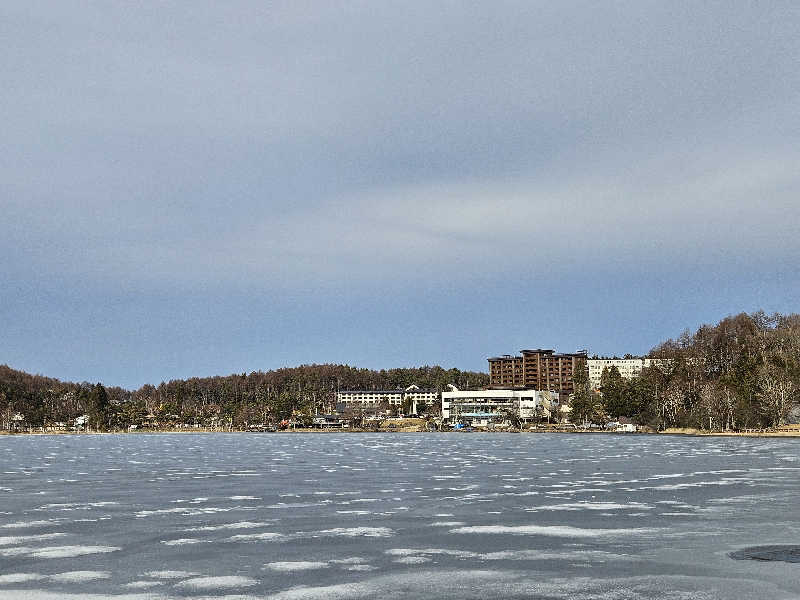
[545, 369]
[532, 387]
[481, 408]
[540, 369]
[396, 397]
[628, 368]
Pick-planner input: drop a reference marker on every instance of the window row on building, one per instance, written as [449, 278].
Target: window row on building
[372, 398]
[483, 407]
[627, 367]
[536, 369]
[547, 370]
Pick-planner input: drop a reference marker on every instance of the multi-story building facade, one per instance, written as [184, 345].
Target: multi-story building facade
[506, 371]
[627, 367]
[369, 397]
[419, 397]
[374, 398]
[538, 369]
[483, 407]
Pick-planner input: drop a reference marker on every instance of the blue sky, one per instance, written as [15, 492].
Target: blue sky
[246, 186]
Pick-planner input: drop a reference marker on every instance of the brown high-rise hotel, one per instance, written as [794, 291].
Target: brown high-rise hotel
[538, 369]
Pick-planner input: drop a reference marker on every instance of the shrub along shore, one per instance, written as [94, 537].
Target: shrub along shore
[788, 432]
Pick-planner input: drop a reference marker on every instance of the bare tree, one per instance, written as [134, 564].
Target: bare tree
[777, 394]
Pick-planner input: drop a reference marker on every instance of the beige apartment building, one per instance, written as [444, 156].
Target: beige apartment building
[627, 367]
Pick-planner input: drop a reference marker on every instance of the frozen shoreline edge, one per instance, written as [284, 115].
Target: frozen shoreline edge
[690, 433]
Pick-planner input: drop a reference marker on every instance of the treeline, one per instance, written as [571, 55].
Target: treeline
[742, 373]
[232, 401]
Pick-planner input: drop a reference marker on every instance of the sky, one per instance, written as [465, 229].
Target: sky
[213, 188]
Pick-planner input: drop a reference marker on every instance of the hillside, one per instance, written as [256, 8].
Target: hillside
[260, 396]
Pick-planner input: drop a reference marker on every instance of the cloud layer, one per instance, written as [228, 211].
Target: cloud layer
[296, 150]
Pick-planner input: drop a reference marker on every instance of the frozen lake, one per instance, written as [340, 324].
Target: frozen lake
[396, 516]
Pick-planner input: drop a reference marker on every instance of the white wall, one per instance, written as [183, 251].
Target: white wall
[523, 402]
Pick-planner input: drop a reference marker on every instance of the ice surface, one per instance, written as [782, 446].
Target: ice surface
[239, 516]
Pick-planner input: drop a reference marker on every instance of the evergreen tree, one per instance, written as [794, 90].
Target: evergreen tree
[584, 403]
[98, 407]
[613, 387]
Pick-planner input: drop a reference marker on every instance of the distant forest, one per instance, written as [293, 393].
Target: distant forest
[233, 401]
[743, 372]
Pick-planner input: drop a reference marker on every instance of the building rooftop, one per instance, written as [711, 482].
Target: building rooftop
[547, 351]
[478, 414]
[416, 390]
[371, 391]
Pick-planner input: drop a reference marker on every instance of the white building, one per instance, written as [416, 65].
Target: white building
[368, 398]
[374, 398]
[482, 407]
[627, 367]
[532, 405]
[422, 396]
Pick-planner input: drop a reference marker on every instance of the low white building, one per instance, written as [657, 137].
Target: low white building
[483, 407]
[374, 398]
[369, 398]
[420, 396]
[15, 422]
[533, 405]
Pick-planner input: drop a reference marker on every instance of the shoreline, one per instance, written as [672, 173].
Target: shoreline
[680, 432]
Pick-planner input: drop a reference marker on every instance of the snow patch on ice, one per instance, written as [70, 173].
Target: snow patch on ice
[80, 576]
[27, 524]
[14, 540]
[19, 577]
[169, 574]
[142, 585]
[357, 532]
[550, 530]
[302, 565]
[412, 560]
[216, 583]
[184, 542]
[70, 551]
[255, 537]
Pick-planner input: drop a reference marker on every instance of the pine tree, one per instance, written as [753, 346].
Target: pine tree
[98, 406]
